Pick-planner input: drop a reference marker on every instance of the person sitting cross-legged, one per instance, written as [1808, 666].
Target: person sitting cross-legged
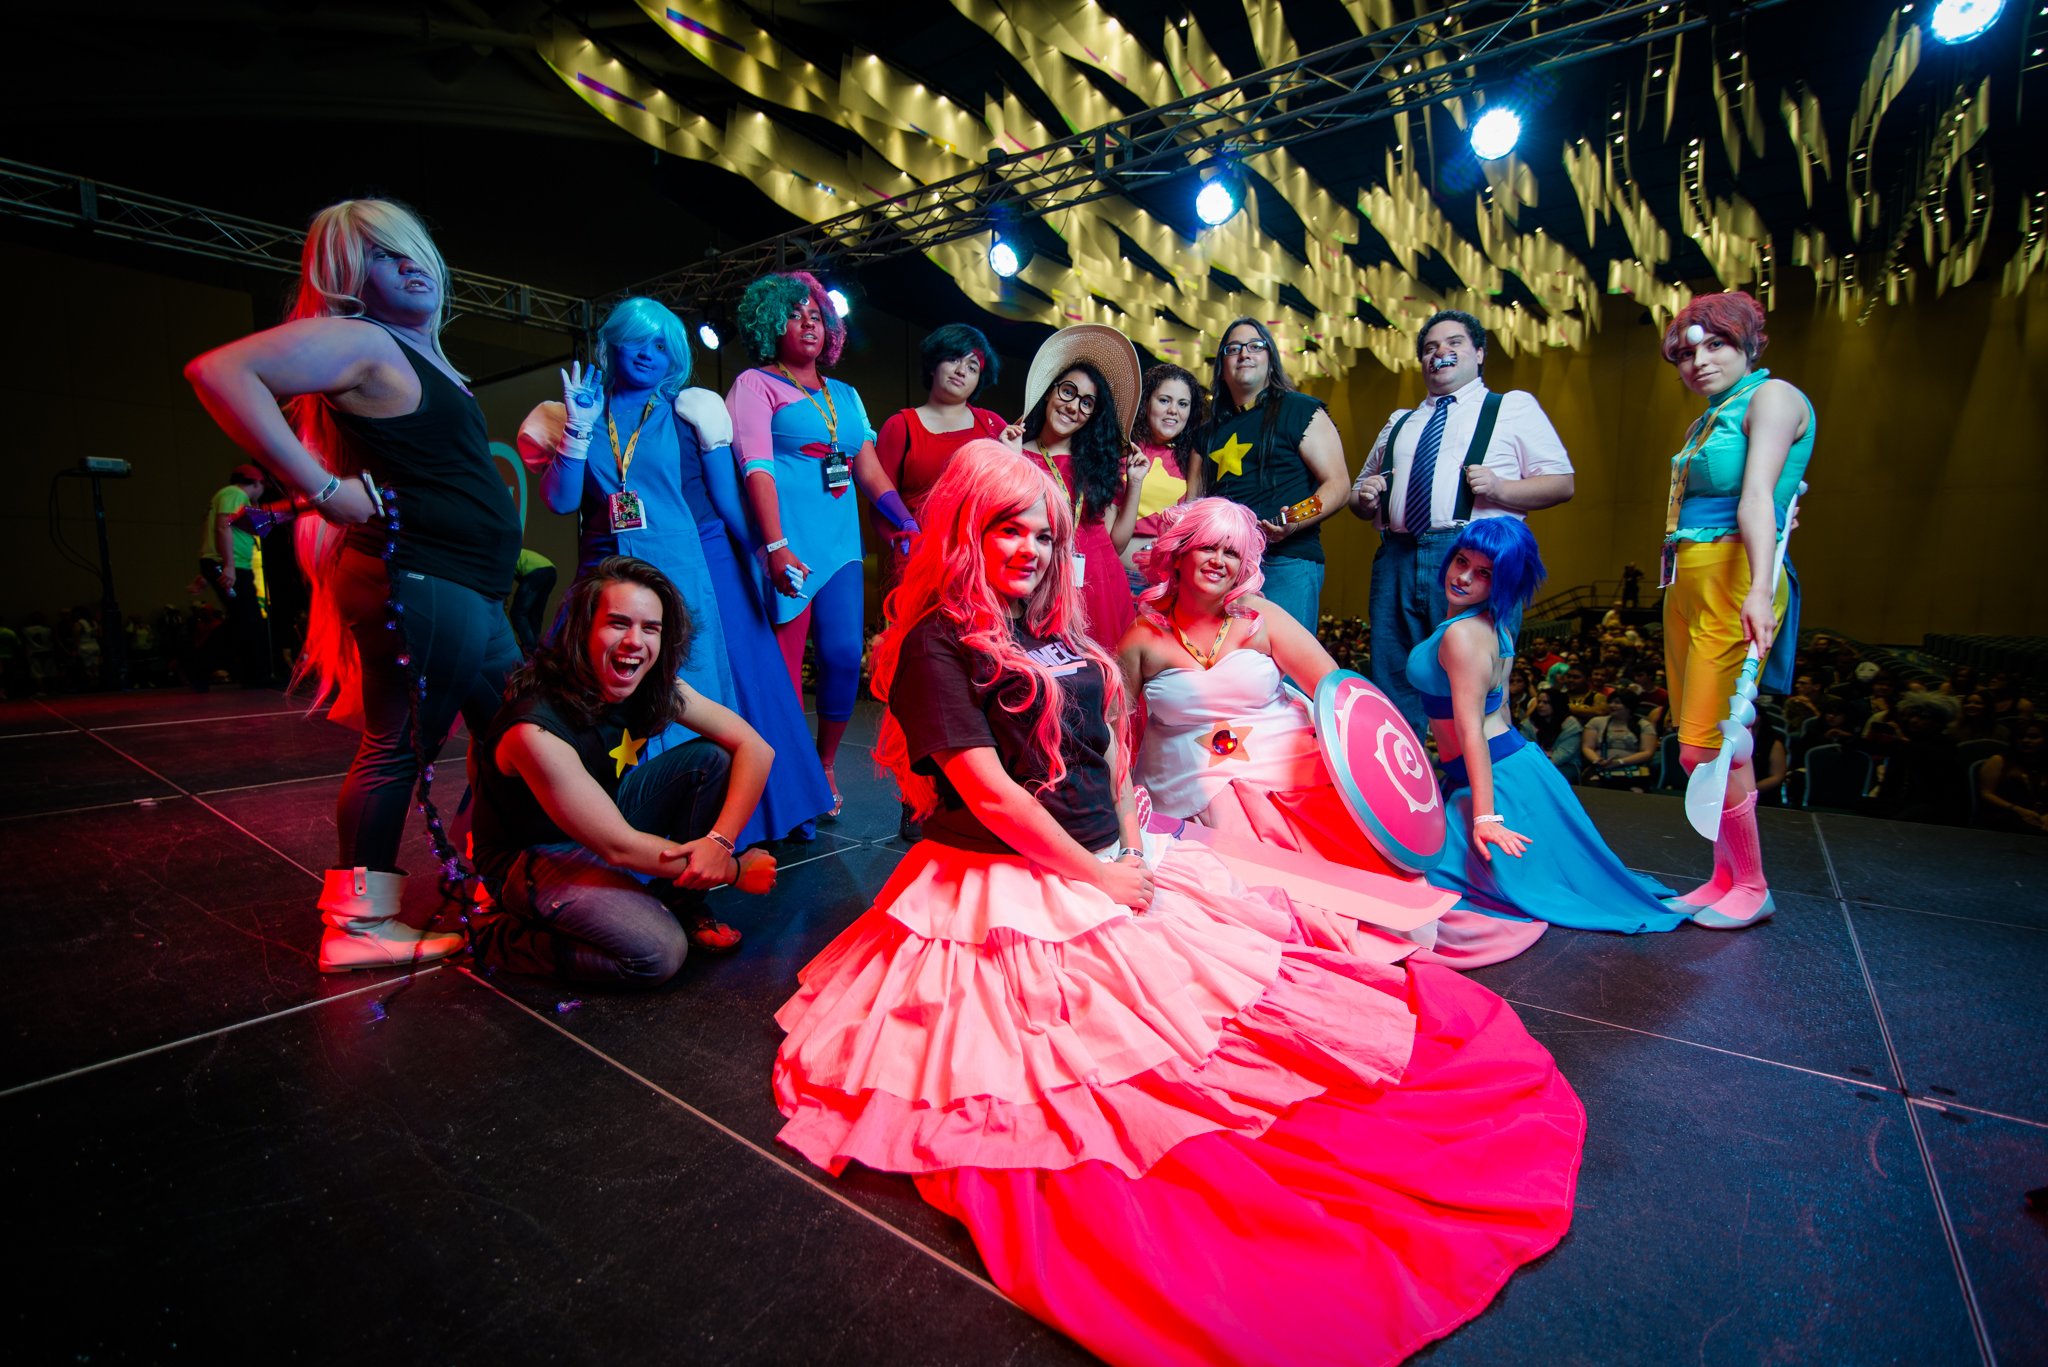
[570, 825]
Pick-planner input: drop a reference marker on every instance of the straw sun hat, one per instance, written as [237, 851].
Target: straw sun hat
[1103, 347]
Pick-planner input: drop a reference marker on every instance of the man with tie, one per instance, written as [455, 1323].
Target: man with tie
[1274, 449]
[1462, 453]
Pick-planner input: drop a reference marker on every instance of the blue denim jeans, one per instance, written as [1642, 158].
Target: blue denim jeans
[464, 648]
[1407, 603]
[565, 911]
[1295, 586]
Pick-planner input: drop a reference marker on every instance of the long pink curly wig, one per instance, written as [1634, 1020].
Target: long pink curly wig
[948, 575]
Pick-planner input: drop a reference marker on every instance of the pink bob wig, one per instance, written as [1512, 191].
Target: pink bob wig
[765, 311]
[947, 576]
[1192, 526]
[1734, 317]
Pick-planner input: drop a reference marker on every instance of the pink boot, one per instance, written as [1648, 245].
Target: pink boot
[1714, 889]
[1748, 900]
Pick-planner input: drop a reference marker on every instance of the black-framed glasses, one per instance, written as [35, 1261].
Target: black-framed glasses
[1066, 391]
[1256, 346]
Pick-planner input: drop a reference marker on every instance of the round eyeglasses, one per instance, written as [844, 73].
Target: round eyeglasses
[1066, 391]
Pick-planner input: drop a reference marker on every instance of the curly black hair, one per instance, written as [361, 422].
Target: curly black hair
[1097, 450]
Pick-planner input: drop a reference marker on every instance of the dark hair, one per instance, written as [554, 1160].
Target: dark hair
[560, 668]
[1223, 407]
[1474, 329]
[1198, 409]
[1097, 450]
[950, 343]
[1548, 728]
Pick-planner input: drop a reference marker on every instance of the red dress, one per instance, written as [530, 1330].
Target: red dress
[913, 457]
[1105, 588]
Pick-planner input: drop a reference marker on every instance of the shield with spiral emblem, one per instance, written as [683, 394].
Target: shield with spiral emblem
[1381, 770]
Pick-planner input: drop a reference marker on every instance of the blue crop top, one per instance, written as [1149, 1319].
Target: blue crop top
[1426, 672]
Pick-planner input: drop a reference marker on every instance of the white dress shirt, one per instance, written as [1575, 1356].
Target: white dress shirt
[1524, 444]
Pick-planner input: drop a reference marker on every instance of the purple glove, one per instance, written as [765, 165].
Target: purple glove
[890, 505]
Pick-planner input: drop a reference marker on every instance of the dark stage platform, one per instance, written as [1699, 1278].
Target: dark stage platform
[1809, 1142]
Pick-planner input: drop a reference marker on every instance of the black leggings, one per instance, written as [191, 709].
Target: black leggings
[461, 642]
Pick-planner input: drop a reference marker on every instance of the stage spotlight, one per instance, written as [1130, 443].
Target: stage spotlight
[839, 304]
[1217, 202]
[708, 335]
[1005, 257]
[1496, 133]
[1958, 21]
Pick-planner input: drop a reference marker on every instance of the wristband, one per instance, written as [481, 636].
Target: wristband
[1123, 850]
[333, 483]
[1490, 819]
[722, 843]
[774, 546]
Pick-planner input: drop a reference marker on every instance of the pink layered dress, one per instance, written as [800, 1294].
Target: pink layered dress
[1185, 1135]
[1267, 782]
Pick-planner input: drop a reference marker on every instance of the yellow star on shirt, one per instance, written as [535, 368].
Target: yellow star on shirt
[1230, 456]
[626, 752]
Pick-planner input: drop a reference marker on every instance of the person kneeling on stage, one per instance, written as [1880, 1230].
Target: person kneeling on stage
[570, 826]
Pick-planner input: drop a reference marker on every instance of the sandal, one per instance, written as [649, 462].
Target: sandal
[712, 935]
[838, 800]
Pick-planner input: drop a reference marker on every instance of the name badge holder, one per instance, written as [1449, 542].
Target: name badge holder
[624, 509]
[628, 513]
[838, 471]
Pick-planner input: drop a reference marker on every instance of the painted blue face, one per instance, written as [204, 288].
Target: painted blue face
[640, 364]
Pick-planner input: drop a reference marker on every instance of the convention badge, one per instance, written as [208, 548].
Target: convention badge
[1302, 511]
[1667, 564]
[628, 513]
[838, 471]
[1380, 770]
[1080, 570]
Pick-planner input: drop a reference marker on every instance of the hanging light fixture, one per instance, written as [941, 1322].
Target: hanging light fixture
[840, 305]
[1495, 134]
[708, 335]
[1958, 21]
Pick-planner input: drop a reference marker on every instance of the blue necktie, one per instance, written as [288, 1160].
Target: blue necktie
[1422, 470]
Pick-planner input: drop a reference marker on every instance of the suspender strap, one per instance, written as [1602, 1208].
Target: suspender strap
[1385, 519]
[1482, 437]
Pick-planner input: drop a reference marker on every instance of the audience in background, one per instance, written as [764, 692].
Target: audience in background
[1770, 758]
[1585, 699]
[2012, 788]
[1920, 770]
[1616, 749]
[1977, 721]
[1551, 725]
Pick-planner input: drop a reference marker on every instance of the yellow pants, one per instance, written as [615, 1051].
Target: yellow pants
[1703, 645]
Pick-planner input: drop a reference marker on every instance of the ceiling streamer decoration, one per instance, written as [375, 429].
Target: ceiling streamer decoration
[1175, 295]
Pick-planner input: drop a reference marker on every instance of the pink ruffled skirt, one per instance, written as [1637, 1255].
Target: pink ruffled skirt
[1188, 1135]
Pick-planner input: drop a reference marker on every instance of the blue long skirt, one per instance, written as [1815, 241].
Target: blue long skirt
[1567, 876]
[797, 793]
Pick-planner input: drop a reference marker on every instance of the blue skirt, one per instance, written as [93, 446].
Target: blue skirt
[1567, 876]
[797, 793]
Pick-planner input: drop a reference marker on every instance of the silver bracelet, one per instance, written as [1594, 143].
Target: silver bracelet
[1490, 819]
[333, 483]
[723, 843]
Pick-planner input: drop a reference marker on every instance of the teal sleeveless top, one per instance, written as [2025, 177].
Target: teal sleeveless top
[1426, 672]
[1714, 479]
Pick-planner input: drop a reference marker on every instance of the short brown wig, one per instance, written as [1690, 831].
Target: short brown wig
[1734, 317]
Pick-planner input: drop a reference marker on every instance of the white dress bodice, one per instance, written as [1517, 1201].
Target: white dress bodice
[1233, 722]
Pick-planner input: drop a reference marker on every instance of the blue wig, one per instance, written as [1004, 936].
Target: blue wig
[1517, 565]
[635, 320]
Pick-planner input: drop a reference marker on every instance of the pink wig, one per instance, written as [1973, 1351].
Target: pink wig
[1734, 317]
[1192, 526]
[947, 575]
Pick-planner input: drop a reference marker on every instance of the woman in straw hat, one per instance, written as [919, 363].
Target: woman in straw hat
[1079, 402]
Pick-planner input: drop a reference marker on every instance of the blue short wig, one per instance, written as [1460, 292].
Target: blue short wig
[635, 320]
[1517, 565]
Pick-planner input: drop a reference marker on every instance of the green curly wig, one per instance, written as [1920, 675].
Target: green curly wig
[765, 310]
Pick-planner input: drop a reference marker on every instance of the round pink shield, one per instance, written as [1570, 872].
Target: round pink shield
[1381, 770]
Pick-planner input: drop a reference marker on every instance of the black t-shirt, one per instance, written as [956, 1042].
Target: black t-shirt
[457, 521]
[1271, 473]
[509, 818]
[945, 699]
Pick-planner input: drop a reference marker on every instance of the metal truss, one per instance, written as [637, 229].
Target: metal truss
[66, 201]
[1457, 51]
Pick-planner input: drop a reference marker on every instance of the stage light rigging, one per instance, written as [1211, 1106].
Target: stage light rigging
[1219, 199]
[1958, 21]
[1007, 255]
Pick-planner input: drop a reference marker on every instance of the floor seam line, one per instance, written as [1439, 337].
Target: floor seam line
[201, 721]
[1712, 1048]
[208, 1034]
[186, 792]
[1864, 902]
[1948, 1228]
[742, 1140]
[95, 807]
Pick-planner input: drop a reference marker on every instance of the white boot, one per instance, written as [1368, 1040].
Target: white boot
[363, 929]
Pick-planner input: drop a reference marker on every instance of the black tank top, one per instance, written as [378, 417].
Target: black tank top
[457, 520]
[509, 818]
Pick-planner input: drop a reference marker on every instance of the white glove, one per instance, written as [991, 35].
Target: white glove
[583, 398]
[706, 414]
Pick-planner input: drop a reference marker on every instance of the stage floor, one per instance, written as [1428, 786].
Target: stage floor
[1808, 1142]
